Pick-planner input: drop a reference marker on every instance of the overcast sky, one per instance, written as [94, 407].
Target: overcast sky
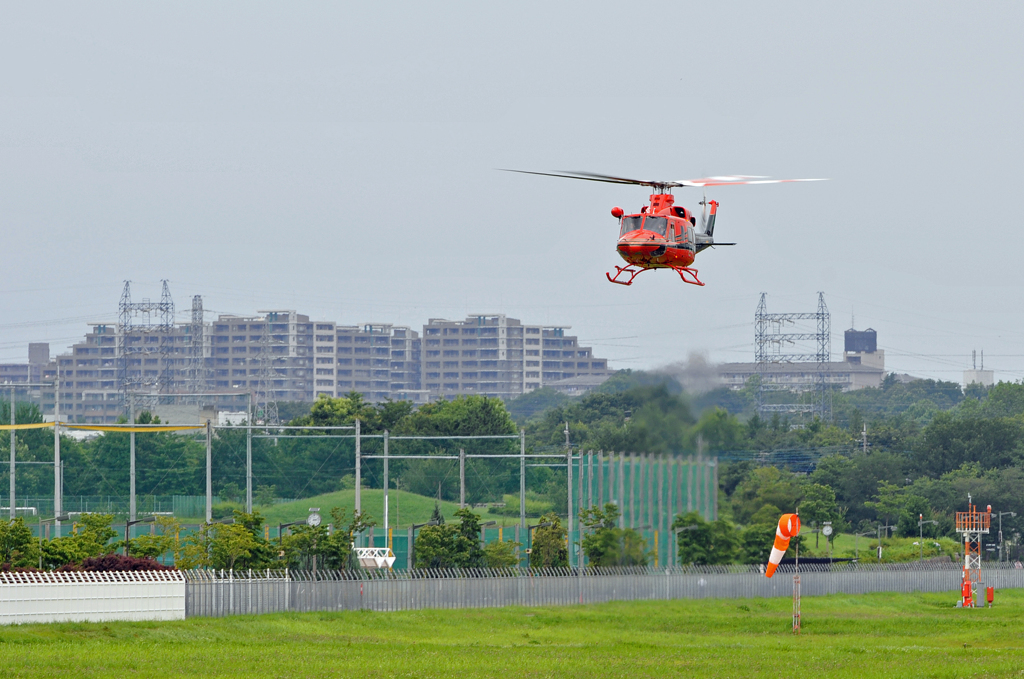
[339, 159]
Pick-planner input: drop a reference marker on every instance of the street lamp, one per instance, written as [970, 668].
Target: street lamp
[1011, 514]
[920, 529]
[128, 524]
[856, 542]
[62, 517]
[483, 529]
[412, 539]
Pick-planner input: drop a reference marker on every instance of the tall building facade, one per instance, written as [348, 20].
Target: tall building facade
[281, 355]
[499, 356]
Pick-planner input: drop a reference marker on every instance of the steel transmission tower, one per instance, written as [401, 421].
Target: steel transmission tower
[770, 341]
[266, 405]
[197, 360]
[144, 332]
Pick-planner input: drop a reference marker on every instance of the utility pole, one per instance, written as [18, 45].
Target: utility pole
[920, 529]
[522, 479]
[385, 486]
[131, 457]
[57, 490]
[568, 474]
[209, 472]
[462, 478]
[359, 471]
[12, 453]
[248, 457]
[864, 438]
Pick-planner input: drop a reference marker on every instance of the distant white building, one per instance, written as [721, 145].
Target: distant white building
[863, 366]
[985, 378]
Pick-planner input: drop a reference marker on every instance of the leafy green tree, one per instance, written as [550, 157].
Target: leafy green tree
[608, 545]
[501, 554]
[765, 486]
[336, 549]
[716, 542]
[232, 545]
[264, 496]
[164, 541]
[817, 506]
[548, 548]
[889, 502]
[440, 547]
[17, 546]
[469, 528]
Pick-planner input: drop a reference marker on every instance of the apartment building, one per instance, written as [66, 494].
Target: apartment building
[378, 360]
[494, 355]
[300, 359]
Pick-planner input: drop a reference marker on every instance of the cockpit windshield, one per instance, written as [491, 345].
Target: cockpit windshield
[630, 224]
[658, 225]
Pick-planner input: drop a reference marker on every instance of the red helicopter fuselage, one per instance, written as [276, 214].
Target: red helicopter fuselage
[662, 236]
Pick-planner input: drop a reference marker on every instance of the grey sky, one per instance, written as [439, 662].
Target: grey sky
[339, 159]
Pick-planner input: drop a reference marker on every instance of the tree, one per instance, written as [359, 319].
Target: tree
[501, 554]
[609, 545]
[818, 506]
[469, 528]
[889, 502]
[337, 547]
[765, 486]
[715, 542]
[264, 496]
[17, 546]
[548, 548]
[440, 547]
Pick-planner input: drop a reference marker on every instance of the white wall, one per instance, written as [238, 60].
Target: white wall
[93, 597]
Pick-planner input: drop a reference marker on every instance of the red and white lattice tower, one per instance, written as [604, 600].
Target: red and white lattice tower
[972, 524]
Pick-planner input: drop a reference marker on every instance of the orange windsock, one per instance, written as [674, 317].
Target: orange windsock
[789, 525]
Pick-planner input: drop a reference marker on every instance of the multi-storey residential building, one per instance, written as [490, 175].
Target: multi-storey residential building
[298, 359]
[378, 360]
[498, 356]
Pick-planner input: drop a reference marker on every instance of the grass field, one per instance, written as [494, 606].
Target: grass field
[879, 635]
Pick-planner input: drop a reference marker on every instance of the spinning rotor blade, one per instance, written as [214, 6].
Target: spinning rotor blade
[591, 177]
[737, 179]
[727, 180]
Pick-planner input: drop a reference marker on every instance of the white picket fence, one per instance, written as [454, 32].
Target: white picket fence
[91, 597]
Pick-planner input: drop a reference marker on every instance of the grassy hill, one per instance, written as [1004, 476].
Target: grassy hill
[405, 508]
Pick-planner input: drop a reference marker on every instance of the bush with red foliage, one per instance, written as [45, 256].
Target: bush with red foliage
[6, 568]
[116, 562]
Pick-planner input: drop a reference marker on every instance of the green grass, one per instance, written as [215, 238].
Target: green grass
[404, 507]
[893, 549]
[878, 635]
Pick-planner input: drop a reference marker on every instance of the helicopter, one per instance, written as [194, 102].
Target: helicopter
[664, 235]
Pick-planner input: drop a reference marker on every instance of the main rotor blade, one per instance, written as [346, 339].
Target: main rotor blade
[738, 179]
[591, 177]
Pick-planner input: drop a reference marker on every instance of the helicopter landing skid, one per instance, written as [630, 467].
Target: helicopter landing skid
[687, 274]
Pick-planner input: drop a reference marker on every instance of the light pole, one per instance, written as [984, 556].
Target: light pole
[856, 542]
[886, 526]
[483, 529]
[130, 523]
[63, 517]
[920, 530]
[1011, 514]
[412, 540]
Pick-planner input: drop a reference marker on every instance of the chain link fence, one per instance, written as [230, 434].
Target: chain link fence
[221, 593]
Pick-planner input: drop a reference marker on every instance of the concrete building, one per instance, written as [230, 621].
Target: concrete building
[301, 359]
[863, 366]
[494, 355]
[985, 378]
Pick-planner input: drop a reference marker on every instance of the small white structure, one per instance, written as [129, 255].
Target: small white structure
[375, 557]
[86, 596]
